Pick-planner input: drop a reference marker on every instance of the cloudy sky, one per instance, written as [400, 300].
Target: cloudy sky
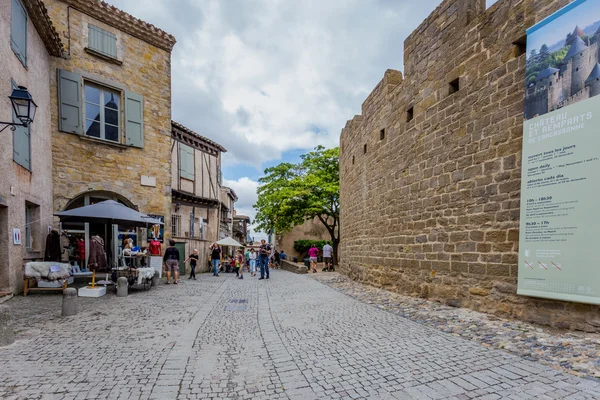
[271, 79]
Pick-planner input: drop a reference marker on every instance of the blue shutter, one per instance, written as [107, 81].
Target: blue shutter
[18, 31]
[21, 142]
[134, 119]
[102, 41]
[69, 102]
[186, 162]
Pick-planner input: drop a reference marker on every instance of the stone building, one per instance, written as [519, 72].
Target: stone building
[430, 171]
[309, 230]
[196, 191]
[240, 227]
[228, 199]
[111, 115]
[29, 41]
[577, 79]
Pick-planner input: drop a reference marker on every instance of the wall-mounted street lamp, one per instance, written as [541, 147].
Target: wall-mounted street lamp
[23, 106]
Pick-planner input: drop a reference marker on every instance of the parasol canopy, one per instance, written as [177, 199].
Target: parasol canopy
[229, 242]
[107, 212]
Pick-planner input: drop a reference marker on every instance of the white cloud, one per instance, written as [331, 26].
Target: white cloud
[267, 76]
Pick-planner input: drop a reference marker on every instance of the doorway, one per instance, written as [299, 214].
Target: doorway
[181, 247]
[5, 285]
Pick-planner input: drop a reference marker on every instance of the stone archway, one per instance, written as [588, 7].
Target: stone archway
[87, 198]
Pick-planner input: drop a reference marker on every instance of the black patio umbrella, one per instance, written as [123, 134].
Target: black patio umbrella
[107, 212]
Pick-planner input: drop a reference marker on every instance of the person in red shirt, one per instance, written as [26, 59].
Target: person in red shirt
[154, 247]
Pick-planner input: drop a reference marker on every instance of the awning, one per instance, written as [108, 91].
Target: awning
[107, 212]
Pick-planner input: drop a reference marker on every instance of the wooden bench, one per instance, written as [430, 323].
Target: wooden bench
[27, 288]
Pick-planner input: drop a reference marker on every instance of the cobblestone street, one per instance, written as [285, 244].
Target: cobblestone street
[290, 337]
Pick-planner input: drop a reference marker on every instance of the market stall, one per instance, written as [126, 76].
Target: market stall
[112, 214]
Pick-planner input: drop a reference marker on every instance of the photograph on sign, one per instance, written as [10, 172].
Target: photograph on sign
[561, 152]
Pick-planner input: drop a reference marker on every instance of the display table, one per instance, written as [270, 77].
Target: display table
[54, 275]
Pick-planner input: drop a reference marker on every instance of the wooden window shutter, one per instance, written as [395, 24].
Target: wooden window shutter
[69, 102]
[102, 41]
[21, 142]
[134, 119]
[18, 30]
[186, 162]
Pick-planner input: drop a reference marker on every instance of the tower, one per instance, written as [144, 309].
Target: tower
[593, 81]
[576, 56]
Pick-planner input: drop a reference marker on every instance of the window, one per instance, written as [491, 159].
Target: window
[365, 149]
[454, 86]
[382, 134]
[21, 142]
[410, 114]
[102, 109]
[186, 162]
[176, 225]
[519, 47]
[102, 41]
[32, 226]
[18, 31]
[102, 112]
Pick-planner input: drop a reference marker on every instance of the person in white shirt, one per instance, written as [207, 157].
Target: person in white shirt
[327, 257]
[252, 262]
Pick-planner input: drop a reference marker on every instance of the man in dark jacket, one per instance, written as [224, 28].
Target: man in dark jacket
[171, 261]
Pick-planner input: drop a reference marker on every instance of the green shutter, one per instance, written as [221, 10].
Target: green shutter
[69, 102]
[18, 31]
[134, 119]
[102, 41]
[21, 142]
[186, 162]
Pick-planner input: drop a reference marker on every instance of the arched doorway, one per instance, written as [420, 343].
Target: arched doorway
[79, 234]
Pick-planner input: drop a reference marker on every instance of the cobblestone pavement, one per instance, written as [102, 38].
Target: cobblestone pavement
[577, 353]
[289, 337]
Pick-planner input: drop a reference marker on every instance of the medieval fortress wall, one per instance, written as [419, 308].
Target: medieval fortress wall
[431, 169]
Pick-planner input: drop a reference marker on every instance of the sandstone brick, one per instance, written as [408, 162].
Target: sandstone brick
[455, 167]
[477, 291]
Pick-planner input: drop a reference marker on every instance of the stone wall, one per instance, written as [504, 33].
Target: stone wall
[430, 172]
[81, 164]
[309, 230]
[19, 186]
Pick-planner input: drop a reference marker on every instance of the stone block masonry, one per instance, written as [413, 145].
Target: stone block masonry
[143, 66]
[431, 170]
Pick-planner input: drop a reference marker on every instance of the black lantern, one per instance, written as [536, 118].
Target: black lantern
[23, 106]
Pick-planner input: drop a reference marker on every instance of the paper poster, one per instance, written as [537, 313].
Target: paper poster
[157, 231]
[561, 157]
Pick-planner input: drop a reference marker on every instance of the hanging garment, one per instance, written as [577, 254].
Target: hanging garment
[154, 247]
[81, 249]
[97, 259]
[52, 252]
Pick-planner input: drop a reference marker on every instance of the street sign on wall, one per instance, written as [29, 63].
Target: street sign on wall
[560, 208]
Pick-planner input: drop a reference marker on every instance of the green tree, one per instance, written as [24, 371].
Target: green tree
[543, 56]
[291, 194]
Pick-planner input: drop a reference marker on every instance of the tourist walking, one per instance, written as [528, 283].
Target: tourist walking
[253, 262]
[313, 253]
[240, 263]
[328, 257]
[171, 261]
[264, 253]
[247, 259]
[216, 255]
[277, 259]
[193, 259]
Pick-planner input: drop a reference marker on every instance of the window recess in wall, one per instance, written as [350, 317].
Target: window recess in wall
[410, 114]
[175, 225]
[382, 134]
[454, 86]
